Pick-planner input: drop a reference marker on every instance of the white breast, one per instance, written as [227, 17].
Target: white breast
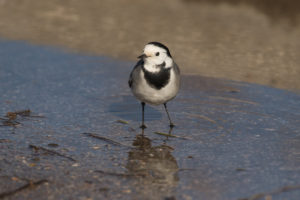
[150, 95]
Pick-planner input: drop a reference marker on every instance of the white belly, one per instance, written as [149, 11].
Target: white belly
[150, 95]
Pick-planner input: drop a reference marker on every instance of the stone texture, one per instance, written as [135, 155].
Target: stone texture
[80, 139]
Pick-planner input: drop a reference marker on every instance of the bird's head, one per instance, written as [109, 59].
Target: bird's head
[156, 53]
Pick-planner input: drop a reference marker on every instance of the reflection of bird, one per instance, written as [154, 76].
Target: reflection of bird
[156, 164]
[155, 79]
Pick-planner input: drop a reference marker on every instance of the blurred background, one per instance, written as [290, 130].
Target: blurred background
[246, 40]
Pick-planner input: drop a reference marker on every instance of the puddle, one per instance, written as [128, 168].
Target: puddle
[88, 144]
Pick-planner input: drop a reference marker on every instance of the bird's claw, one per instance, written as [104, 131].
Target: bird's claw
[143, 126]
[172, 125]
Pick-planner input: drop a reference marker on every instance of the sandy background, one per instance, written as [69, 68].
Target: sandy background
[248, 40]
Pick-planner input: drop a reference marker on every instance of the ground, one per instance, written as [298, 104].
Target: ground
[69, 129]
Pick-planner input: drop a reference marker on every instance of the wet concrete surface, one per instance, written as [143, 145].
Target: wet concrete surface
[246, 40]
[72, 133]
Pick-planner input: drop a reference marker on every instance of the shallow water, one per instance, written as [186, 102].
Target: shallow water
[233, 140]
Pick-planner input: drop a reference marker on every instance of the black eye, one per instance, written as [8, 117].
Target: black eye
[157, 54]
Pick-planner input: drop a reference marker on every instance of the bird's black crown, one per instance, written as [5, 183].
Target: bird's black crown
[158, 44]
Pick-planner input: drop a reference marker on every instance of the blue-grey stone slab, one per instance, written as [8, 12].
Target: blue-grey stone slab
[81, 138]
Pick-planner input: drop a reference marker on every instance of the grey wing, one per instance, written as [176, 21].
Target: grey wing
[176, 69]
[130, 80]
[177, 75]
[134, 73]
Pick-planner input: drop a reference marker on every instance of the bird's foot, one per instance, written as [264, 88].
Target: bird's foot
[172, 125]
[143, 126]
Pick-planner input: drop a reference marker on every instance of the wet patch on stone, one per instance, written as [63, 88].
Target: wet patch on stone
[232, 140]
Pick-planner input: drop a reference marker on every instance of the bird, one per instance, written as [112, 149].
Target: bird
[155, 79]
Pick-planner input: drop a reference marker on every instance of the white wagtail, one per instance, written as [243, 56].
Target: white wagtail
[155, 79]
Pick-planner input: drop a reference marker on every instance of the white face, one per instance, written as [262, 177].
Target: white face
[155, 55]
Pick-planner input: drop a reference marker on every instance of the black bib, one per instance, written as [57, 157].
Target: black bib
[159, 79]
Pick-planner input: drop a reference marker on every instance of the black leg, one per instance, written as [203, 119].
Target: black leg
[171, 123]
[143, 126]
[170, 130]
